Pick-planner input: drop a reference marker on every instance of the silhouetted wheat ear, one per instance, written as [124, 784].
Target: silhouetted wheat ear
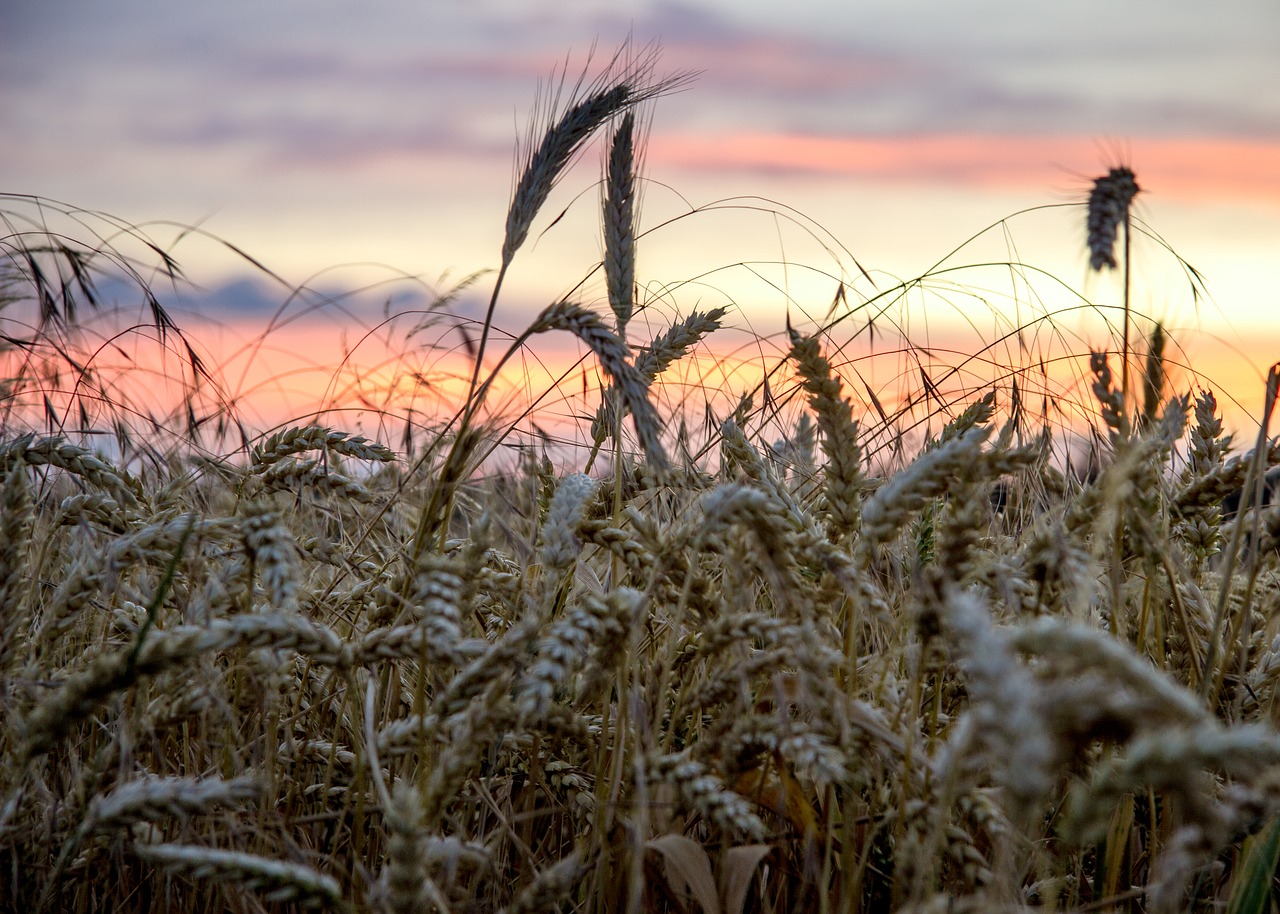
[619, 222]
[1109, 203]
[553, 154]
[623, 86]
[1153, 379]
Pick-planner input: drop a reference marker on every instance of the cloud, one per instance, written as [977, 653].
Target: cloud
[392, 133]
[268, 89]
[1178, 167]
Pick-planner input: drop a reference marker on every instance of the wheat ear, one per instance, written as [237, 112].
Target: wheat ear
[546, 163]
[154, 799]
[1109, 203]
[842, 473]
[1004, 697]
[316, 438]
[273, 552]
[560, 546]
[707, 794]
[107, 674]
[57, 452]
[912, 488]
[1109, 206]
[669, 346]
[612, 352]
[17, 516]
[551, 886]
[620, 222]
[278, 880]
[1153, 378]
[608, 97]
[405, 871]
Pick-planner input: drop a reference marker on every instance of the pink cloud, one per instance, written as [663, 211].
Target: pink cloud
[1186, 168]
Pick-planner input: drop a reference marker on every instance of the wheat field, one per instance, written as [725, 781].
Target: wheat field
[311, 670]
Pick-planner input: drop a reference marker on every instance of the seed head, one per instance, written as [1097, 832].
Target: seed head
[1108, 206]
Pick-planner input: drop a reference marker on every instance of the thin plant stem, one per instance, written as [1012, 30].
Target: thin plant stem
[1124, 368]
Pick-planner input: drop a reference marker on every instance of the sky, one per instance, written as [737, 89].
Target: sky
[345, 143]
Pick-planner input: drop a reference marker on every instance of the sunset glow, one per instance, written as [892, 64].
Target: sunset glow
[1190, 168]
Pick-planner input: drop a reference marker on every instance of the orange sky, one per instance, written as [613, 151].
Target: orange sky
[372, 384]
